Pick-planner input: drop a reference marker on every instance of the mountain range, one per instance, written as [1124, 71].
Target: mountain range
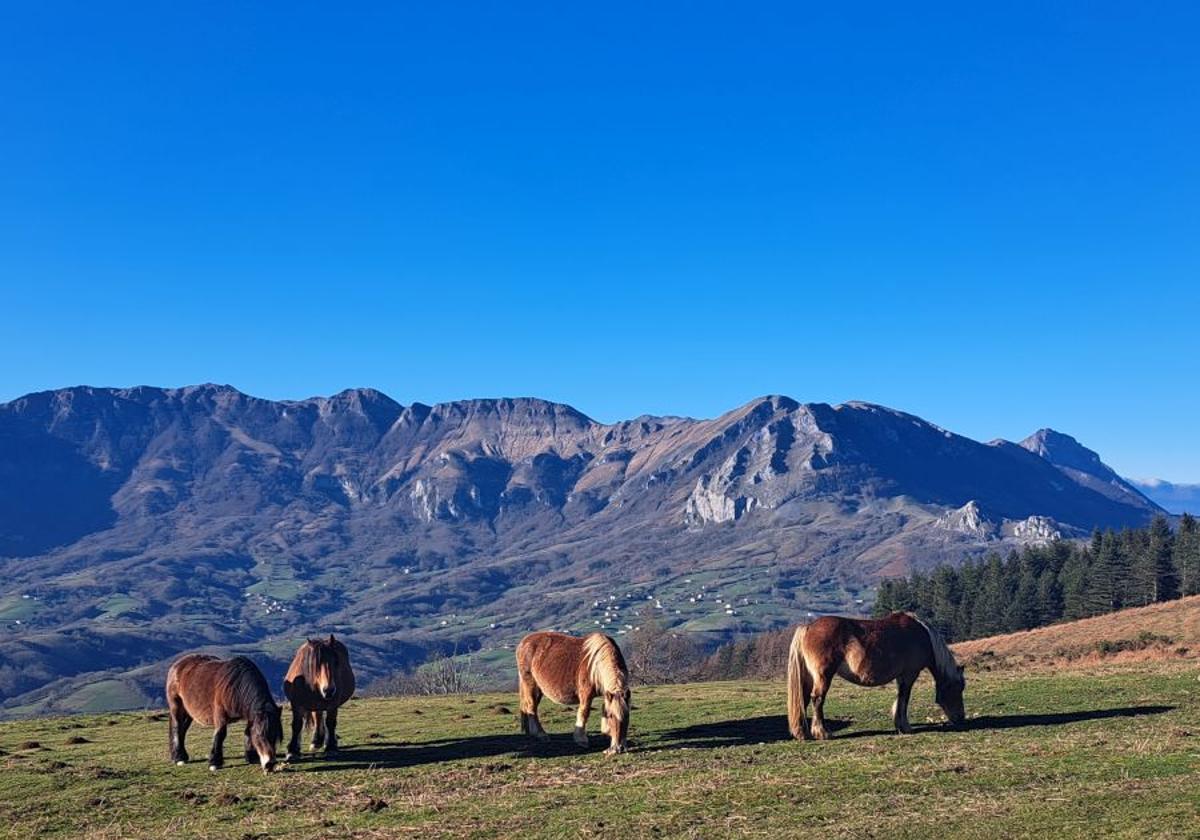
[1174, 498]
[137, 523]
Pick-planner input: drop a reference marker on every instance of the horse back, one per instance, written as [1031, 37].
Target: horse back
[554, 661]
[192, 680]
[210, 687]
[869, 651]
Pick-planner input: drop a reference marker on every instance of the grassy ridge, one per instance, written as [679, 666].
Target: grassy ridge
[1075, 754]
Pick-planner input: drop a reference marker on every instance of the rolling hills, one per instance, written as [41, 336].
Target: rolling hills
[136, 523]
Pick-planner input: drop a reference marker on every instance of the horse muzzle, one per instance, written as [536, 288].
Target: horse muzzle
[328, 691]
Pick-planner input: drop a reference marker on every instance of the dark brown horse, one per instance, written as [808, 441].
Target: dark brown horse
[317, 684]
[573, 670]
[217, 692]
[869, 653]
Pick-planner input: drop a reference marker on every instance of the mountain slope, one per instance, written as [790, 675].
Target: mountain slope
[1084, 466]
[204, 516]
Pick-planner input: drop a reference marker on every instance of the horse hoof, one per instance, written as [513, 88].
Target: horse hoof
[180, 763]
[292, 756]
[214, 767]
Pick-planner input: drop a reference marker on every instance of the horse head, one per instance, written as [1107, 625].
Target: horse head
[949, 695]
[266, 733]
[322, 666]
[616, 713]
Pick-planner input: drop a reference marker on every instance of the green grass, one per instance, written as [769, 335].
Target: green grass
[1110, 753]
[105, 694]
[16, 608]
[116, 606]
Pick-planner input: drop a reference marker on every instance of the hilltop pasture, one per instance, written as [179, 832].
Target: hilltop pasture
[1113, 750]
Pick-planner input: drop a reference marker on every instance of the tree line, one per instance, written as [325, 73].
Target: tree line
[1061, 581]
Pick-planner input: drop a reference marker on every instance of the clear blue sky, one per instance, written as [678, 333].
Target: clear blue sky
[988, 217]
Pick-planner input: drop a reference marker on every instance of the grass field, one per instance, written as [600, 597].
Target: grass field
[1114, 752]
[1170, 629]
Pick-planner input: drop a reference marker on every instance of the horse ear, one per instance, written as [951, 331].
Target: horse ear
[331, 639]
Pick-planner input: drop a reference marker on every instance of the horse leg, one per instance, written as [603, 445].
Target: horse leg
[180, 721]
[317, 719]
[581, 719]
[250, 753]
[531, 695]
[331, 742]
[820, 688]
[904, 684]
[216, 758]
[535, 722]
[293, 747]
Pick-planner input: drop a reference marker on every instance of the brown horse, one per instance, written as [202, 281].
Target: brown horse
[318, 682]
[869, 653]
[573, 670]
[217, 692]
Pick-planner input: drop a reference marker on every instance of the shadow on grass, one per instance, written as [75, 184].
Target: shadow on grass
[770, 728]
[1058, 719]
[393, 754]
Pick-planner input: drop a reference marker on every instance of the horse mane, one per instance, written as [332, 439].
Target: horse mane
[944, 664]
[247, 686]
[316, 651]
[606, 666]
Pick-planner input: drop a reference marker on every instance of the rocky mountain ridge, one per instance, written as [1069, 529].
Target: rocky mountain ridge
[202, 515]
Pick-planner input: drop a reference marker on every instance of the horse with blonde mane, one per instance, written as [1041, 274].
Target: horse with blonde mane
[318, 682]
[870, 653]
[569, 669]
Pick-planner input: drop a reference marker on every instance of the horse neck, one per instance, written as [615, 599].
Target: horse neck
[941, 661]
[604, 671]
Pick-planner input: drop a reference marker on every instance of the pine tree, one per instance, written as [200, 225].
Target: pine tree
[1049, 598]
[1074, 581]
[992, 601]
[1022, 611]
[1187, 555]
[1102, 593]
[1154, 575]
[943, 600]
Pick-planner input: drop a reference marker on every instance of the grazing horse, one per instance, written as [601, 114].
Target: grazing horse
[869, 653]
[318, 682]
[573, 670]
[217, 692]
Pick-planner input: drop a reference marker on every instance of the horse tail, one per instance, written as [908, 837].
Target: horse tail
[799, 685]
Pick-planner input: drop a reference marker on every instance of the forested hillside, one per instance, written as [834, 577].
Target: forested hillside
[1063, 580]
